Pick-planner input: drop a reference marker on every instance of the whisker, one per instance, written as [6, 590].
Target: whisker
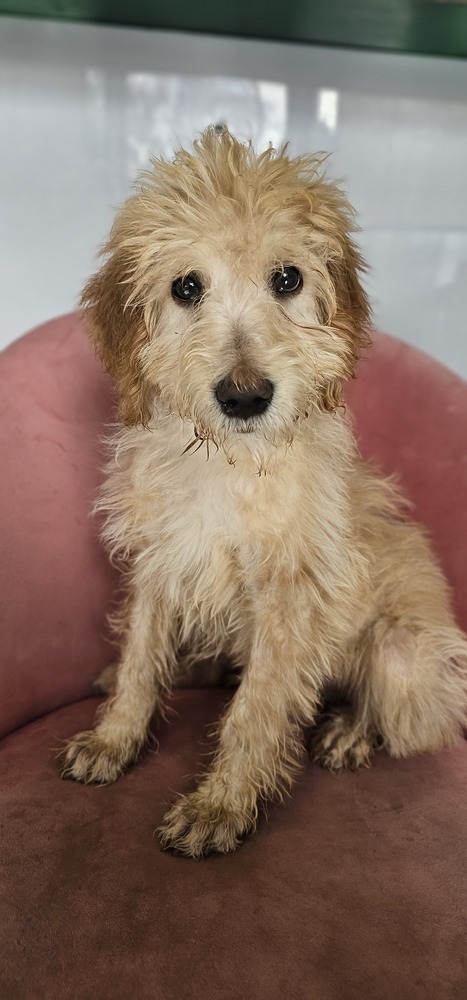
[192, 443]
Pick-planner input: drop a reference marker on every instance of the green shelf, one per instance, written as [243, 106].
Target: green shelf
[418, 26]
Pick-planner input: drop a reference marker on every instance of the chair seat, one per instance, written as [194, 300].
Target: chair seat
[355, 888]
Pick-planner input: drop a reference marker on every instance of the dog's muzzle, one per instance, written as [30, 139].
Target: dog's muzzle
[245, 402]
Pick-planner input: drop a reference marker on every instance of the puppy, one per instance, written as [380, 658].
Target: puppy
[230, 312]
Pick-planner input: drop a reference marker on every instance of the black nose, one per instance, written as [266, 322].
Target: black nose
[245, 402]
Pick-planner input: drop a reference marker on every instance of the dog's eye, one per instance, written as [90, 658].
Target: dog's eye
[287, 280]
[188, 289]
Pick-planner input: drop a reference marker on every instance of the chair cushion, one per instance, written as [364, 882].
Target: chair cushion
[355, 888]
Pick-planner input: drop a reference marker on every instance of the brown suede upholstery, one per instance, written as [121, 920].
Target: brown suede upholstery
[355, 888]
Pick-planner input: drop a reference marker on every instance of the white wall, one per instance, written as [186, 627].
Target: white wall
[82, 107]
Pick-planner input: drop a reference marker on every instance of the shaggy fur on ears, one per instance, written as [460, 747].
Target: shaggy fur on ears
[224, 193]
[119, 333]
[277, 547]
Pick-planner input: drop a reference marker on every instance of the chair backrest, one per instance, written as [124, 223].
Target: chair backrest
[55, 581]
[410, 415]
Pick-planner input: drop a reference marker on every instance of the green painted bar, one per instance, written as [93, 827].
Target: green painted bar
[424, 26]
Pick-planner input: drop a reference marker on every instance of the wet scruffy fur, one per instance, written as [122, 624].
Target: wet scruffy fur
[230, 312]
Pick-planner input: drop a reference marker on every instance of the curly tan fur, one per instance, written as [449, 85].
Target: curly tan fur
[265, 539]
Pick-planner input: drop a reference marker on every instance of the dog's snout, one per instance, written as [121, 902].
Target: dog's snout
[242, 402]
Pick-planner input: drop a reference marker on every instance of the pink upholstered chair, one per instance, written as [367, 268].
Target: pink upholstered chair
[357, 885]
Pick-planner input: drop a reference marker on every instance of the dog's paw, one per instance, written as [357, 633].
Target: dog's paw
[194, 827]
[341, 744]
[89, 759]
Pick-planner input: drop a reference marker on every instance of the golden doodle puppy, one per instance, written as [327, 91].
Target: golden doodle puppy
[230, 312]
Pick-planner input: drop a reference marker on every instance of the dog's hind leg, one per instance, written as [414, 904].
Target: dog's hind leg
[409, 691]
[147, 662]
[343, 740]
[416, 689]
[407, 668]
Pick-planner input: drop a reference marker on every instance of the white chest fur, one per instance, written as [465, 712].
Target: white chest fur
[200, 529]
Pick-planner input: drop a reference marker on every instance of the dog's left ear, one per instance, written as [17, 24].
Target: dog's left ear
[118, 331]
[343, 304]
[352, 315]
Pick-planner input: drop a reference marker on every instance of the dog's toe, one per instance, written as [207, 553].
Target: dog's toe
[340, 743]
[88, 759]
[195, 828]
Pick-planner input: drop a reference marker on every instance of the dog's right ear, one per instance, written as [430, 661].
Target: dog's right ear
[118, 331]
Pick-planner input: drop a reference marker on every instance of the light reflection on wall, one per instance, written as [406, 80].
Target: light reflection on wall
[164, 111]
[328, 107]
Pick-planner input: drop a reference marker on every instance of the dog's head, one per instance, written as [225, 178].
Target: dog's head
[230, 294]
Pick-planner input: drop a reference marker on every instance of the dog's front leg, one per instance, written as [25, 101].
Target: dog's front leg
[147, 662]
[260, 737]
